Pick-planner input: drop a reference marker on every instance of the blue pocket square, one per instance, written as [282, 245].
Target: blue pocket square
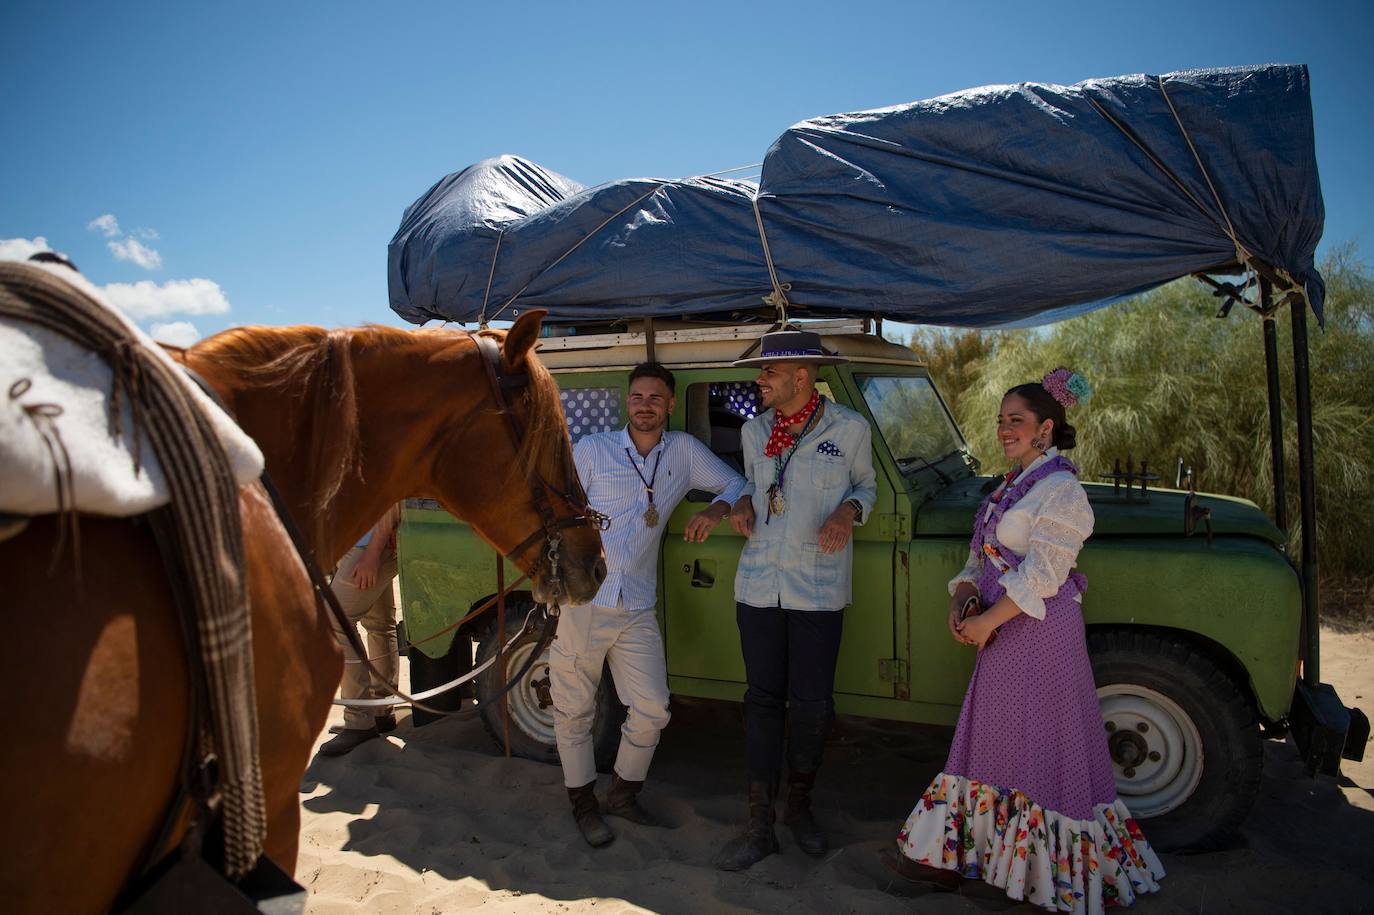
[829, 447]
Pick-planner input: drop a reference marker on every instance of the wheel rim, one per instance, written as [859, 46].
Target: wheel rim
[531, 709]
[1156, 749]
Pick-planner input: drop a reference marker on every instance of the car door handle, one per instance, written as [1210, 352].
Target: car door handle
[703, 572]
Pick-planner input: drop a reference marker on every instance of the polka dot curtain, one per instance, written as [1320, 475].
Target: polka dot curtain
[591, 410]
[739, 397]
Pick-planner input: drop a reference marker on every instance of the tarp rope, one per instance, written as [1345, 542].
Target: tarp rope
[778, 297]
[491, 274]
[206, 530]
[1244, 257]
[605, 222]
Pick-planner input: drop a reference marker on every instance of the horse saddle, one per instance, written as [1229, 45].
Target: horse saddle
[65, 444]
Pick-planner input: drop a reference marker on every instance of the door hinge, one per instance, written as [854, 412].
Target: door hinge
[893, 526]
[892, 670]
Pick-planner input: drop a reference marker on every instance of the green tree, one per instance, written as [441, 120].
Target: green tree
[1172, 380]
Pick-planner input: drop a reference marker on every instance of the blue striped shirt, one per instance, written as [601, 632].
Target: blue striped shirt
[614, 487]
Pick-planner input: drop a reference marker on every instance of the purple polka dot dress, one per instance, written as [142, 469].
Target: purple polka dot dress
[1027, 800]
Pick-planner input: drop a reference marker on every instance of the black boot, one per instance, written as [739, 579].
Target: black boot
[587, 813]
[807, 833]
[622, 801]
[758, 840]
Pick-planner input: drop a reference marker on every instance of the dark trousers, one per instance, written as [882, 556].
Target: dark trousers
[789, 663]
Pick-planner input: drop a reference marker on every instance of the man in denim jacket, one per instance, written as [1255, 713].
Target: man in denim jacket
[809, 465]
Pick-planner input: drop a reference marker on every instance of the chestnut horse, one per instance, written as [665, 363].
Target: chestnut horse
[349, 422]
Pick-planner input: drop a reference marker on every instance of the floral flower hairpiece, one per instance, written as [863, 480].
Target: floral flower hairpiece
[1067, 386]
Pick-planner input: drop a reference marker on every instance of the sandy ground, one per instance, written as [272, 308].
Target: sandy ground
[435, 820]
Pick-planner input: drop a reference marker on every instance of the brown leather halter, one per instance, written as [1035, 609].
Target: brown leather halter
[571, 494]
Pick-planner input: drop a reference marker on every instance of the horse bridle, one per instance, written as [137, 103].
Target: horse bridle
[502, 382]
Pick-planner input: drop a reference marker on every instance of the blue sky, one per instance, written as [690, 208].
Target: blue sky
[256, 158]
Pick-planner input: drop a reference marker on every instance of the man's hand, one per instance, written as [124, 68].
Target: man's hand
[742, 516]
[834, 533]
[700, 525]
[365, 572]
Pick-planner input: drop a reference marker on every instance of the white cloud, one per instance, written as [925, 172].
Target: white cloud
[177, 333]
[146, 299]
[131, 249]
[149, 234]
[19, 249]
[107, 225]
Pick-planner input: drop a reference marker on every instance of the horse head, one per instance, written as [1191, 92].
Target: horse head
[519, 489]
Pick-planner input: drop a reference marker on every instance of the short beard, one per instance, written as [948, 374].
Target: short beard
[637, 424]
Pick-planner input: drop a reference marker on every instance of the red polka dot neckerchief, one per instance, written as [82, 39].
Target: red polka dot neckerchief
[780, 439]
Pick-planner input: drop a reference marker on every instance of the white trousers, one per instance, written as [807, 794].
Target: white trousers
[629, 642]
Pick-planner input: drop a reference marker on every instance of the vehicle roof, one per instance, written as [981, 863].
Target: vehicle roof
[709, 345]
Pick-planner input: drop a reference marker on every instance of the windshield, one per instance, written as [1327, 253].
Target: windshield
[912, 418]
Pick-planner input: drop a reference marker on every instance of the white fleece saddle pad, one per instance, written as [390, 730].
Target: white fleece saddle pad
[41, 371]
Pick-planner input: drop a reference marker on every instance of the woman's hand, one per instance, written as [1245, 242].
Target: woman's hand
[976, 630]
[961, 595]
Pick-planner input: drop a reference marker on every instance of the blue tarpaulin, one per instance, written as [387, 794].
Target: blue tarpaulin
[1005, 204]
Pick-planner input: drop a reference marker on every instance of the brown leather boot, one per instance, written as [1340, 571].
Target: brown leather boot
[622, 801]
[587, 813]
[758, 840]
[936, 878]
[809, 836]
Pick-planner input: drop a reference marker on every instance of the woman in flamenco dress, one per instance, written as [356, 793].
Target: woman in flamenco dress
[1027, 800]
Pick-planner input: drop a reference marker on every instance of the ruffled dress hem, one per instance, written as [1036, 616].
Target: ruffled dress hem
[1040, 856]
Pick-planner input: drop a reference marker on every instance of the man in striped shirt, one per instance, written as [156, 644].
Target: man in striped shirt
[636, 476]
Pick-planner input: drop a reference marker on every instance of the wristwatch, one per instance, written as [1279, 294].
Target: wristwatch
[858, 508]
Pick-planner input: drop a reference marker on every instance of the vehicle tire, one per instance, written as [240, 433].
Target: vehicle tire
[427, 672]
[530, 704]
[1184, 739]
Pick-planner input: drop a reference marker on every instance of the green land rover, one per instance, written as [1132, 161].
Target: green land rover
[1195, 637]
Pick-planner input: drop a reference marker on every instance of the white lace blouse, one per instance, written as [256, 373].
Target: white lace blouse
[1047, 527]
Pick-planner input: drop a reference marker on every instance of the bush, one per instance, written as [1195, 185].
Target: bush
[1172, 381]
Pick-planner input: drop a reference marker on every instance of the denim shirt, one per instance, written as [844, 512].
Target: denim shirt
[782, 564]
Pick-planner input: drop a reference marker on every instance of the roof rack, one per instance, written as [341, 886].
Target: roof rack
[650, 335]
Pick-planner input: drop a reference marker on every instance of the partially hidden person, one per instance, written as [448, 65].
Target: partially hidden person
[1027, 799]
[362, 583]
[636, 476]
[809, 465]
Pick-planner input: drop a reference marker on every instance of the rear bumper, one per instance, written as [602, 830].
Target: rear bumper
[1325, 730]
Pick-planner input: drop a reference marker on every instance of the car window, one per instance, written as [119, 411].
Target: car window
[716, 410]
[591, 410]
[911, 418]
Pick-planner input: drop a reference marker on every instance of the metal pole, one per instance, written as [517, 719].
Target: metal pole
[501, 647]
[1307, 490]
[1271, 371]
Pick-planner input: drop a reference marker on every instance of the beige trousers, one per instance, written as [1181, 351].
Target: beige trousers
[375, 608]
[629, 642]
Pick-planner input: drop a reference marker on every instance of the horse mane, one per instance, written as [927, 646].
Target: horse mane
[546, 432]
[316, 365]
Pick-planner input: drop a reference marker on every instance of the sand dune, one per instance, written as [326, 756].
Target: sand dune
[434, 820]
